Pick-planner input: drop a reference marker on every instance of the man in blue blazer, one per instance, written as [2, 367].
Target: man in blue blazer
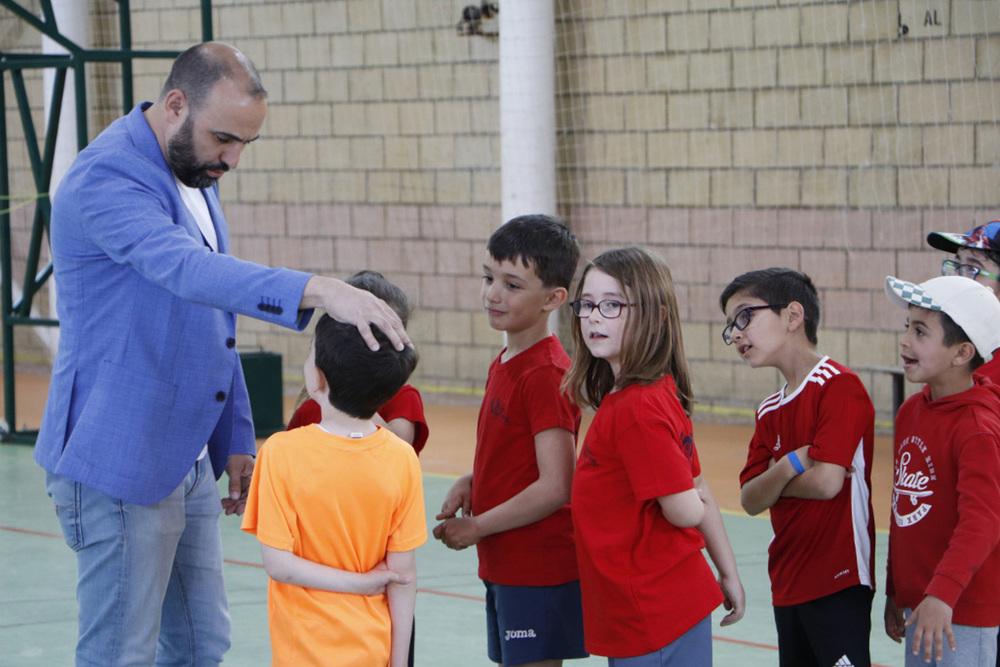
[148, 404]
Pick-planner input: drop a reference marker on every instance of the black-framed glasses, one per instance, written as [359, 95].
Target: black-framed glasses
[609, 308]
[742, 319]
[952, 267]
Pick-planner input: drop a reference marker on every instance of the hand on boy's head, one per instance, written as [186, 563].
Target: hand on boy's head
[349, 304]
[931, 621]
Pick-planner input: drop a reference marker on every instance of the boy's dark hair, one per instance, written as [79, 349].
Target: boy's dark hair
[540, 242]
[360, 380]
[992, 254]
[379, 285]
[955, 335]
[778, 285]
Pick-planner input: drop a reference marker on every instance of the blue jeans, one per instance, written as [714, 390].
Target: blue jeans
[149, 577]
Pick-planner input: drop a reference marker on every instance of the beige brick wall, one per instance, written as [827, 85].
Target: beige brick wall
[727, 136]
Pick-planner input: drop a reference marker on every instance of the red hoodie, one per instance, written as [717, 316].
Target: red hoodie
[946, 504]
[991, 369]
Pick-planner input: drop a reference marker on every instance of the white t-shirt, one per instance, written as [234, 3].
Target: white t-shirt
[194, 198]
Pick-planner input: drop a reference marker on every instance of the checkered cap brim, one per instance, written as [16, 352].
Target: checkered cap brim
[911, 293]
[972, 306]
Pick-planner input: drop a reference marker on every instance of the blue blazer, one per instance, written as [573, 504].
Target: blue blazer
[147, 371]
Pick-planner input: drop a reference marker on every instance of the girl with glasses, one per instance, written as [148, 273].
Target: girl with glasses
[641, 509]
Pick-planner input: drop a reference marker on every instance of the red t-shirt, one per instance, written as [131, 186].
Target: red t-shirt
[819, 546]
[406, 404]
[644, 581]
[523, 399]
[946, 504]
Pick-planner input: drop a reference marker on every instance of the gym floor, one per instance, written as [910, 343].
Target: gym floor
[37, 570]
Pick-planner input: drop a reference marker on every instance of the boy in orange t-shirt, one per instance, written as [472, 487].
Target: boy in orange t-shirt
[338, 509]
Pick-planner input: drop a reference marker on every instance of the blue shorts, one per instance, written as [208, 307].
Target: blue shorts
[692, 649]
[533, 623]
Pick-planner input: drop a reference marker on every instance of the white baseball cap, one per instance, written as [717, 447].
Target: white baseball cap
[972, 306]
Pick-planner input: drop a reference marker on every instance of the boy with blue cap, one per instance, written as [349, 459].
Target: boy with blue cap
[976, 256]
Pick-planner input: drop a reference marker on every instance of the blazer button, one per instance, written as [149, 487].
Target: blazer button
[221, 396]
[230, 343]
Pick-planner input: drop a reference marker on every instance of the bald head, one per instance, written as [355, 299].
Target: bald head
[196, 71]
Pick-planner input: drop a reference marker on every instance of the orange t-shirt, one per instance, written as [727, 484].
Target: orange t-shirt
[344, 503]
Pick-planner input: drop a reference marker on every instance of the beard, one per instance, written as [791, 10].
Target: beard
[184, 163]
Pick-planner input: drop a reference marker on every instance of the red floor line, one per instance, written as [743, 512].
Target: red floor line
[431, 591]
[742, 642]
[29, 532]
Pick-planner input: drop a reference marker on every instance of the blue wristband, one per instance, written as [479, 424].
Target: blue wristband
[793, 458]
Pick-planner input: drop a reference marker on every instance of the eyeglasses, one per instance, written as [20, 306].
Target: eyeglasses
[951, 267]
[742, 319]
[608, 308]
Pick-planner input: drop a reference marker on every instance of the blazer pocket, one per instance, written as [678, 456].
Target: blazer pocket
[126, 412]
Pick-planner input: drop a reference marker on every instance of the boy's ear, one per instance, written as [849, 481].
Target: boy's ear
[964, 353]
[319, 380]
[557, 297]
[796, 315]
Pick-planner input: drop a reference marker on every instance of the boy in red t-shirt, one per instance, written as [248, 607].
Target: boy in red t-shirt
[515, 503]
[944, 566]
[809, 463]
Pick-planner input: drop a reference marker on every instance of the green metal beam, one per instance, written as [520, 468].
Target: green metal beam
[125, 44]
[34, 281]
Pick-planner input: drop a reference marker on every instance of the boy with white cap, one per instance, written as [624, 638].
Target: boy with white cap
[943, 565]
[976, 256]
